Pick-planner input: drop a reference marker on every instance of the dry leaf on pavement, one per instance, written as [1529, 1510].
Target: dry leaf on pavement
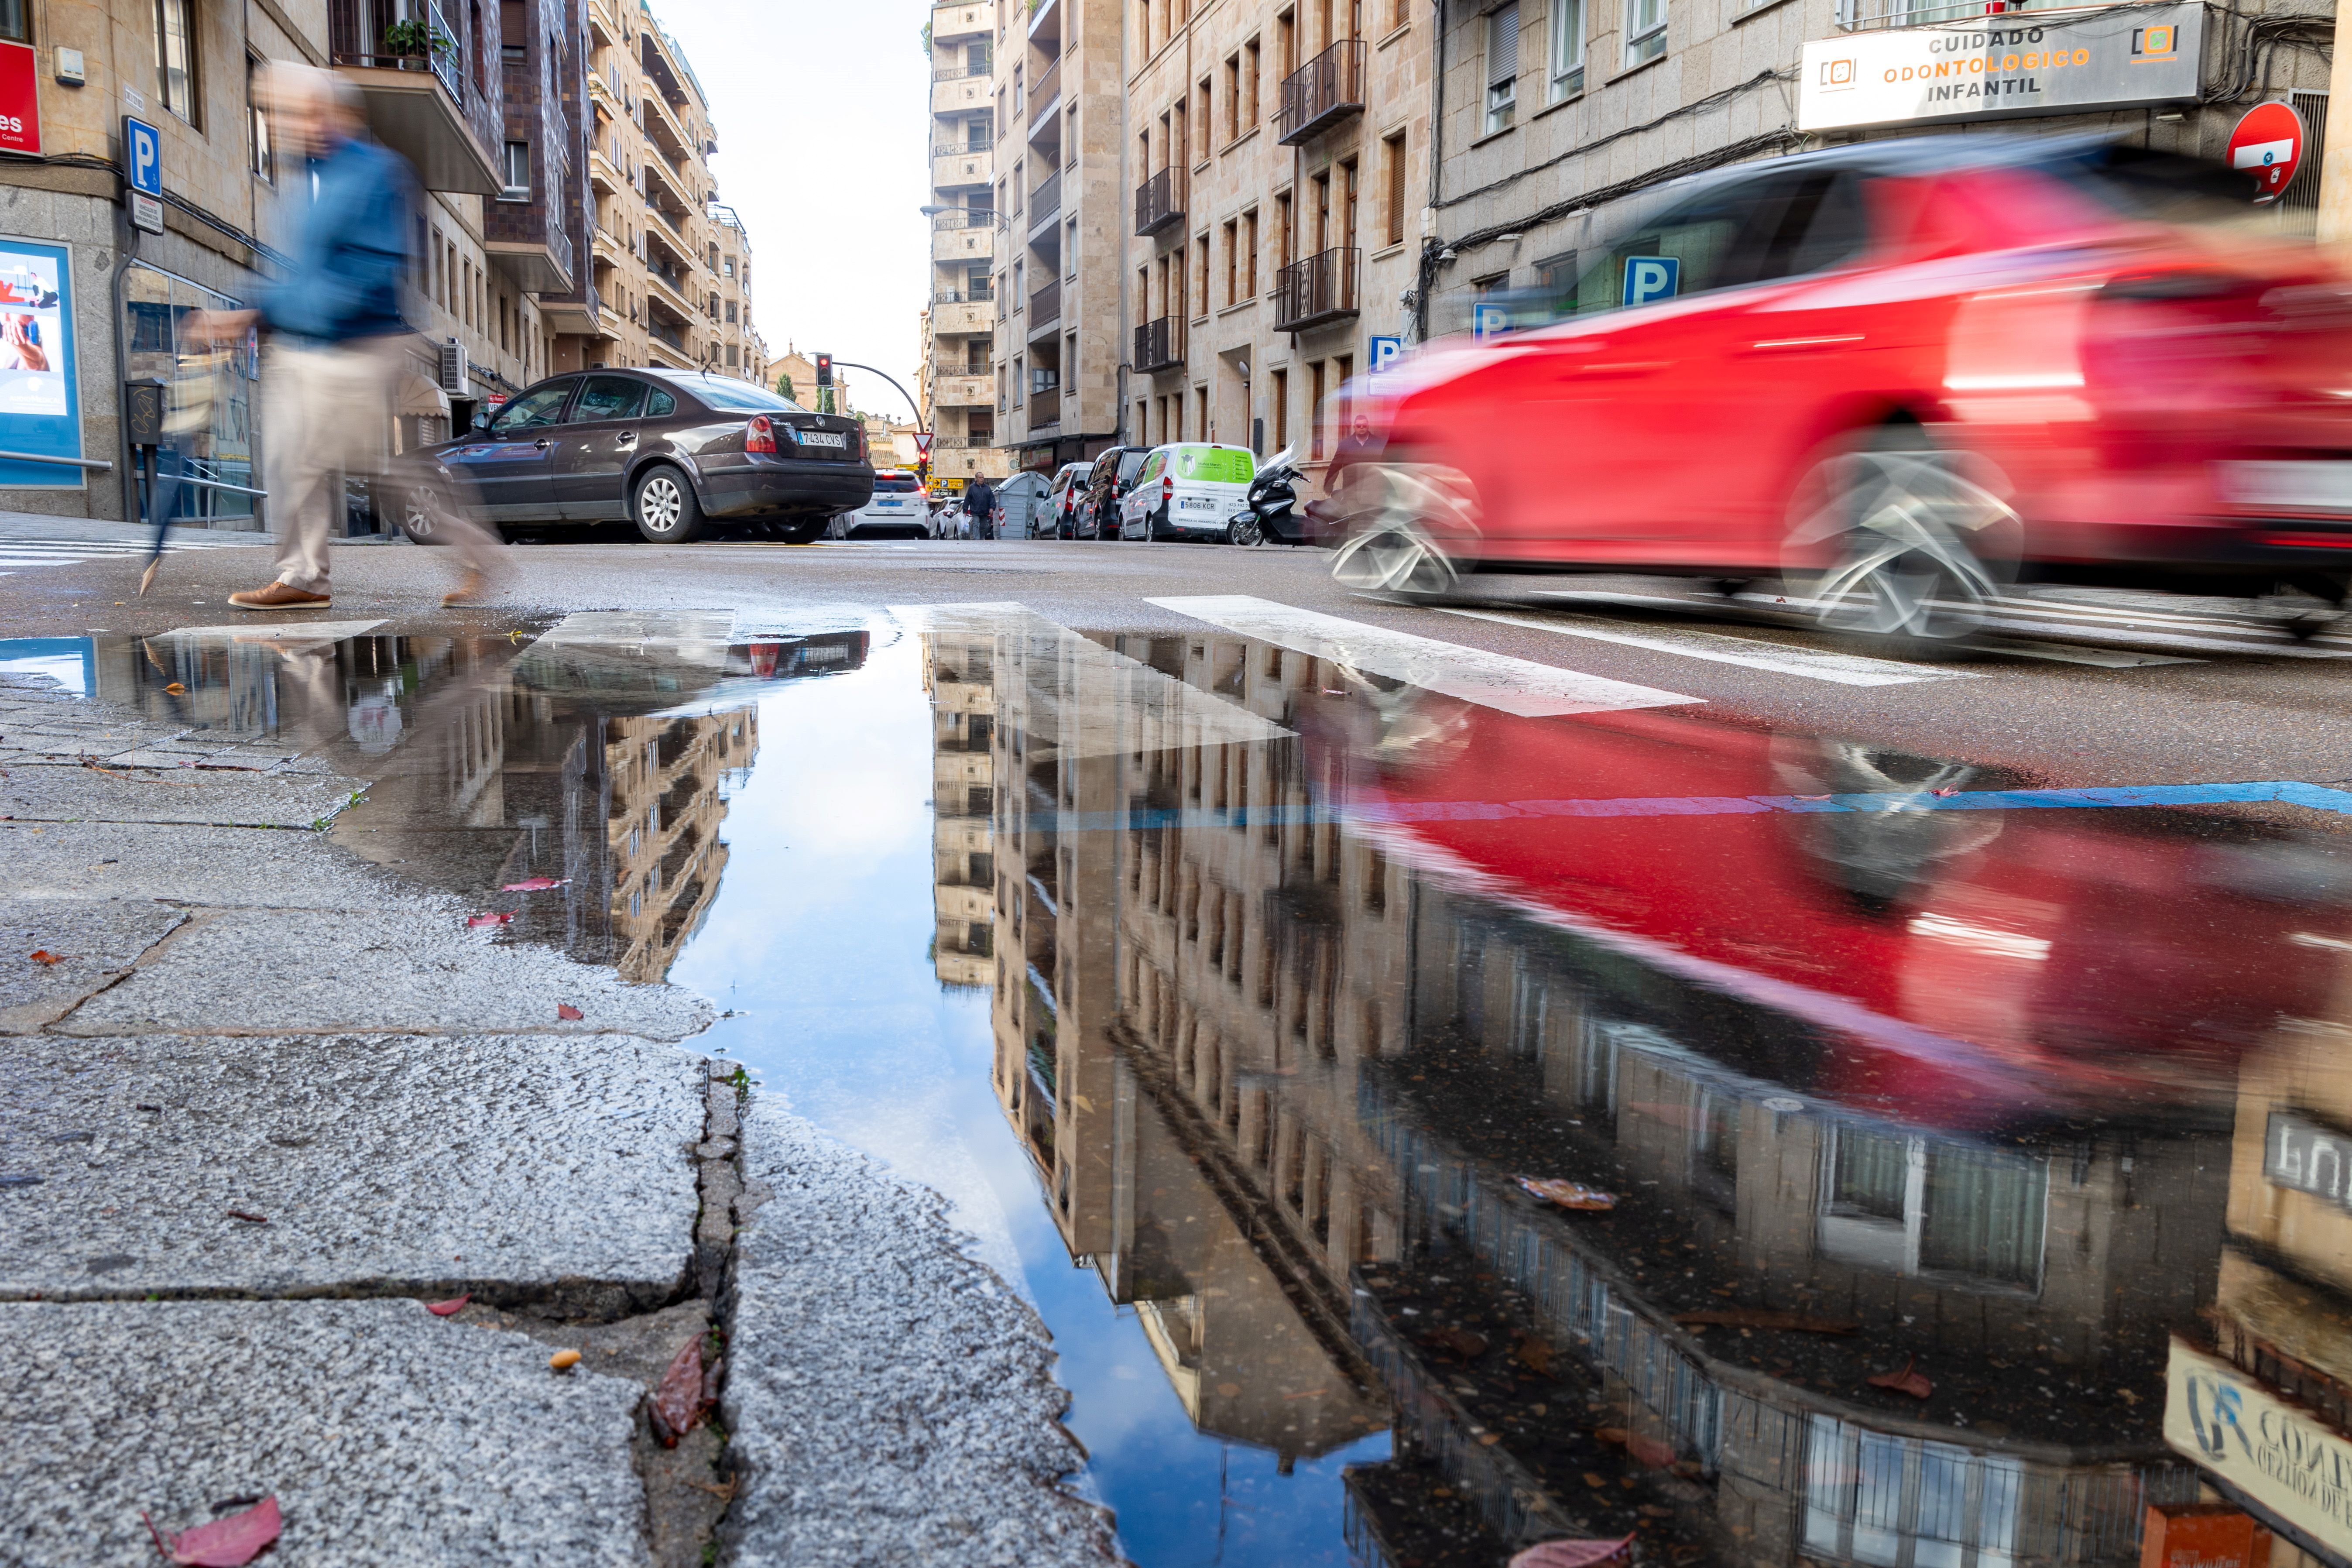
[1567, 1194]
[1904, 1382]
[1571, 1554]
[678, 1405]
[229, 1542]
[534, 884]
[46, 958]
[568, 1013]
[489, 920]
[451, 1308]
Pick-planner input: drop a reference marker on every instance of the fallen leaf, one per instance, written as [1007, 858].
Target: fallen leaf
[563, 1361]
[451, 1308]
[724, 1494]
[45, 957]
[568, 1013]
[1904, 1382]
[1944, 793]
[175, 690]
[248, 1218]
[229, 1542]
[1649, 1451]
[534, 884]
[1534, 1352]
[1616, 1435]
[677, 1404]
[1457, 1341]
[1567, 1194]
[489, 920]
[1759, 1318]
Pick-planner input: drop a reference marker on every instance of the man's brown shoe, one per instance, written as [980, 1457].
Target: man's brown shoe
[279, 596]
[469, 588]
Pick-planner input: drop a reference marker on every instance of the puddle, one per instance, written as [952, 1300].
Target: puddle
[1253, 1012]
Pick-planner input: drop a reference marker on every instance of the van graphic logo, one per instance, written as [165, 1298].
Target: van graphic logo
[2158, 43]
[1837, 74]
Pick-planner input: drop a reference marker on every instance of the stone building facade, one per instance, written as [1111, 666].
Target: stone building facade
[958, 326]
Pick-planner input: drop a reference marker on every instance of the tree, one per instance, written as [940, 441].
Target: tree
[784, 388]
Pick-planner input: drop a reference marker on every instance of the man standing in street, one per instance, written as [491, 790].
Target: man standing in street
[980, 505]
[334, 328]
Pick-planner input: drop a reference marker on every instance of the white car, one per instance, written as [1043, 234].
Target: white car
[1188, 489]
[898, 511]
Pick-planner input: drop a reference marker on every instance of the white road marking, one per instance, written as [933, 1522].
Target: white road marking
[1494, 680]
[2061, 653]
[1809, 664]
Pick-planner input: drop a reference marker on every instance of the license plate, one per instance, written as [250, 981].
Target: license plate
[2289, 486]
[1199, 502]
[833, 439]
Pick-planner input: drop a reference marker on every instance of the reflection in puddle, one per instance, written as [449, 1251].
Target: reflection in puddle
[1283, 979]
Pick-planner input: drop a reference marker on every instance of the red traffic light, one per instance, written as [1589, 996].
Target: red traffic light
[825, 369]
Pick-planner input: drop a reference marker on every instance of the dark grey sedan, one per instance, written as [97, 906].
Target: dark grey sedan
[672, 451]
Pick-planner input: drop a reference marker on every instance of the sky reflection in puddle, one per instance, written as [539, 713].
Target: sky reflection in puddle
[1229, 995]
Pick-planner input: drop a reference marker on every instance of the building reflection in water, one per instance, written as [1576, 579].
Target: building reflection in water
[1282, 1037]
[600, 754]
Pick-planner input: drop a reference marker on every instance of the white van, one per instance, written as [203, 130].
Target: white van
[1187, 489]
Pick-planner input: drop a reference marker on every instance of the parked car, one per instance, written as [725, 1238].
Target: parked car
[1062, 500]
[1112, 472]
[672, 451]
[1897, 374]
[897, 510]
[1190, 489]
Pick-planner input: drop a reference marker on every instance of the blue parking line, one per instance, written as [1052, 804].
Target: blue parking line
[2317, 797]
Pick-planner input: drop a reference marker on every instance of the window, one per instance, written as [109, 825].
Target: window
[1314, 412]
[1746, 230]
[731, 354]
[15, 21]
[1233, 261]
[609, 397]
[1200, 154]
[730, 311]
[1249, 83]
[1555, 274]
[532, 410]
[518, 172]
[1392, 156]
[257, 123]
[1645, 30]
[1232, 98]
[1567, 49]
[1249, 254]
[661, 406]
[1502, 65]
[175, 57]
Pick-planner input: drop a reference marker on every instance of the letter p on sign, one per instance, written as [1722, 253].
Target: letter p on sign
[1649, 278]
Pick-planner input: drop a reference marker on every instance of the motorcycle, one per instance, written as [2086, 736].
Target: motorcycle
[1270, 512]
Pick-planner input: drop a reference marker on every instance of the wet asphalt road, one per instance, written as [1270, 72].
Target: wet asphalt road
[2243, 703]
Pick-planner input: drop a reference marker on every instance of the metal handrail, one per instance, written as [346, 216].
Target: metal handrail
[1322, 90]
[1158, 201]
[961, 73]
[61, 462]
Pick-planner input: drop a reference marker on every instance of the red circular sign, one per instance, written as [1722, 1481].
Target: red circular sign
[2266, 146]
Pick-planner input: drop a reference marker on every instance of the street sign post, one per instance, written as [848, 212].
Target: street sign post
[2267, 145]
[142, 159]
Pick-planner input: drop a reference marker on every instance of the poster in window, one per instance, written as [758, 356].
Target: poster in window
[38, 405]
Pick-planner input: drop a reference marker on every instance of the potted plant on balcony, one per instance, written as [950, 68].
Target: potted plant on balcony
[415, 41]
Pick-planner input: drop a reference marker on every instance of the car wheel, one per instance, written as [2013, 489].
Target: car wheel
[420, 510]
[664, 506]
[801, 531]
[1895, 536]
[1155, 526]
[1243, 530]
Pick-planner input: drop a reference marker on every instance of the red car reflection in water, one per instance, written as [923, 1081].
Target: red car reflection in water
[1970, 968]
[1900, 372]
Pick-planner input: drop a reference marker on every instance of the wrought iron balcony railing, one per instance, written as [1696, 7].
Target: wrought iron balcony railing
[1322, 92]
[1317, 289]
[1159, 202]
[1160, 345]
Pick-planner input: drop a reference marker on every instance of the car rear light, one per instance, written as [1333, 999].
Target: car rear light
[760, 436]
[1167, 486]
[857, 445]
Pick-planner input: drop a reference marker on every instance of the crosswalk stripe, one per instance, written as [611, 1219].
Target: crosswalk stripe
[1494, 680]
[1809, 664]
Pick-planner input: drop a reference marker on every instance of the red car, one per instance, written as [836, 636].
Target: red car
[1898, 374]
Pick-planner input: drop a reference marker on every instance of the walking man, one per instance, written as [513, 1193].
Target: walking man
[335, 330]
[980, 505]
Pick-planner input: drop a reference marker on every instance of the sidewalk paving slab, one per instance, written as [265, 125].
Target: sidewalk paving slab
[264, 867]
[529, 1169]
[86, 944]
[414, 971]
[890, 1399]
[68, 792]
[387, 1435]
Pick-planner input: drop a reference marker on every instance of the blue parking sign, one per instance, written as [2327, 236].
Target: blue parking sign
[143, 153]
[1384, 353]
[1649, 278]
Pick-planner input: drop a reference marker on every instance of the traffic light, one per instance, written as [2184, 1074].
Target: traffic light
[825, 369]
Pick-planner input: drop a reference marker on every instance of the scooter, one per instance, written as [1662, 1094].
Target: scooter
[1271, 509]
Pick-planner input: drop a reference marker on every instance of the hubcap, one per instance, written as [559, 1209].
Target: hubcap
[1396, 517]
[416, 513]
[659, 505]
[1906, 536]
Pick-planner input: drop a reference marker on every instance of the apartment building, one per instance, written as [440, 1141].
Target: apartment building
[478, 110]
[728, 253]
[659, 251]
[1552, 112]
[1060, 185]
[958, 395]
[1278, 155]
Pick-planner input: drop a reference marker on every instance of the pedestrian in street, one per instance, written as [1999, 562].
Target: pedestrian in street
[334, 331]
[979, 504]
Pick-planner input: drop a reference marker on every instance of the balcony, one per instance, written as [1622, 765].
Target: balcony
[956, 166]
[1159, 202]
[1160, 345]
[1318, 289]
[963, 235]
[962, 318]
[417, 104]
[1322, 92]
[961, 20]
[1046, 203]
[959, 89]
[1045, 95]
[1045, 307]
[1044, 409]
[965, 391]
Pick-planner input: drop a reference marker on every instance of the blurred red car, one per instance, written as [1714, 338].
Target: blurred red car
[1898, 374]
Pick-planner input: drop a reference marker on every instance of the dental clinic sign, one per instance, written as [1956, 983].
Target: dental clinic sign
[2276, 1455]
[2003, 66]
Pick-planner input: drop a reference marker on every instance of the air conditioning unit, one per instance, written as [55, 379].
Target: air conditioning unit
[454, 368]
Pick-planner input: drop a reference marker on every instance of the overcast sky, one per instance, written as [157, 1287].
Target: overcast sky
[821, 108]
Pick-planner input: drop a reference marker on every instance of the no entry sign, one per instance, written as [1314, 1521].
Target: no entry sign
[2267, 145]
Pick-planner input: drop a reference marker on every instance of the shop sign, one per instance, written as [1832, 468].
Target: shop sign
[20, 98]
[2281, 1459]
[2002, 67]
[2299, 1152]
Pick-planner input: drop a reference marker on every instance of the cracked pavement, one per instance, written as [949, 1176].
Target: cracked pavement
[265, 1101]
